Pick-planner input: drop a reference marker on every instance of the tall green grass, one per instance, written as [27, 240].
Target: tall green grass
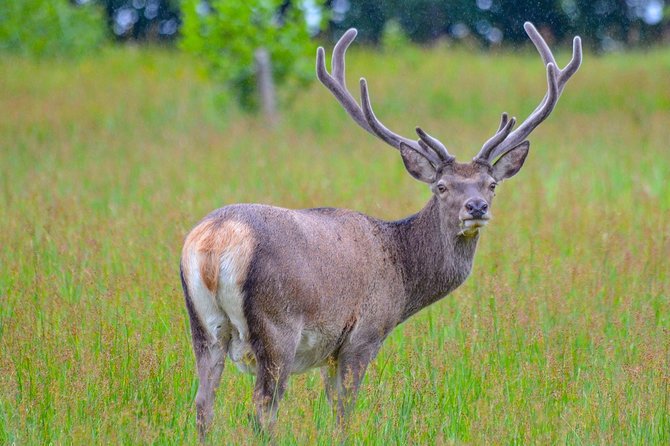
[561, 334]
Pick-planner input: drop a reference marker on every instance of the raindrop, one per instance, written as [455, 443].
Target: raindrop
[483, 27]
[494, 35]
[653, 12]
[339, 10]
[167, 27]
[484, 5]
[203, 9]
[151, 12]
[124, 19]
[460, 30]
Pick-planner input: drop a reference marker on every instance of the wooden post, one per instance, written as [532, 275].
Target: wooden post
[266, 87]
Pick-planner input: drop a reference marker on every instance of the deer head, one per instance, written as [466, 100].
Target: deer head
[464, 191]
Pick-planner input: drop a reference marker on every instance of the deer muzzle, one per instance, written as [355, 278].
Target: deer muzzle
[473, 215]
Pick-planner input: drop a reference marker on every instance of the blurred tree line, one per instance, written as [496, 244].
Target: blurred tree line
[46, 26]
[605, 24]
[228, 34]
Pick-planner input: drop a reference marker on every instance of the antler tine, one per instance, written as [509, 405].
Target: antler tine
[375, 124]
[338, 89]
[430, 154]
[428, 150]
[503, 121]
[540, 43]
[364, 116]
[556, 81]
[548, 56]
[434, 144]
[576, 60]
[337, 63]
[505, 127]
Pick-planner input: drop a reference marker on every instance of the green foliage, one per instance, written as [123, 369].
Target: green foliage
[50, 27]
[227, 33]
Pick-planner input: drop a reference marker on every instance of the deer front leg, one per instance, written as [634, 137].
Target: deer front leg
[329, 375]
[268, 392]
[352, 363]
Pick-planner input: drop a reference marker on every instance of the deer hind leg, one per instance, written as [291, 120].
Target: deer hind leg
[210, 360]
[210, 345]
[274, 362]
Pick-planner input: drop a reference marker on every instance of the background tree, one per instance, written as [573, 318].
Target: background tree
[226, 34]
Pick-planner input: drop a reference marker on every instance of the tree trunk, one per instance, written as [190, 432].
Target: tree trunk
[266, 87]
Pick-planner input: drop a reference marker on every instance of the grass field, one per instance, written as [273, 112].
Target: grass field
[560, 336]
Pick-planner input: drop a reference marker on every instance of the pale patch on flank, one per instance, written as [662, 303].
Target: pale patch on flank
[313, 349]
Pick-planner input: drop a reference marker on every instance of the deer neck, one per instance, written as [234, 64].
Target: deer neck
[434, 259]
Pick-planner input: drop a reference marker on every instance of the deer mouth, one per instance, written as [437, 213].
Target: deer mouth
[470, 226]
[474, 222]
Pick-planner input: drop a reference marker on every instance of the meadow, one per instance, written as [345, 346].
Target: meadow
[560, 336]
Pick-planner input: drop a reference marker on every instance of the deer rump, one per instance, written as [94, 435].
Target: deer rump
[258, 276]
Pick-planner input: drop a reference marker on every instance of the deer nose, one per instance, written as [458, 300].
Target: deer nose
[476, 207]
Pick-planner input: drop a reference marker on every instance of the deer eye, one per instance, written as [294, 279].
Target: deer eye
[441, 188]
[493, 186]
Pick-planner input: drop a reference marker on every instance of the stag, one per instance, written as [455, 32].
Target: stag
[281, 291]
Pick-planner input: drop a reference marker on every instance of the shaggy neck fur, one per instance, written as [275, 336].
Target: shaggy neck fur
[434, 259]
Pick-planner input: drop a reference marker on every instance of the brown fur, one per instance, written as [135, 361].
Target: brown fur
[324, 287]
[342, 277]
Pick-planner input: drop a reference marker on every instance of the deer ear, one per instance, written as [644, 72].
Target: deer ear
[416, 164]
[510, 163]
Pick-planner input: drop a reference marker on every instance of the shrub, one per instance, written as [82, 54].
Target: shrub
[50, 27]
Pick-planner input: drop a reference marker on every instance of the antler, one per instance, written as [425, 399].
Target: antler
[505, 139]
[426, 145]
